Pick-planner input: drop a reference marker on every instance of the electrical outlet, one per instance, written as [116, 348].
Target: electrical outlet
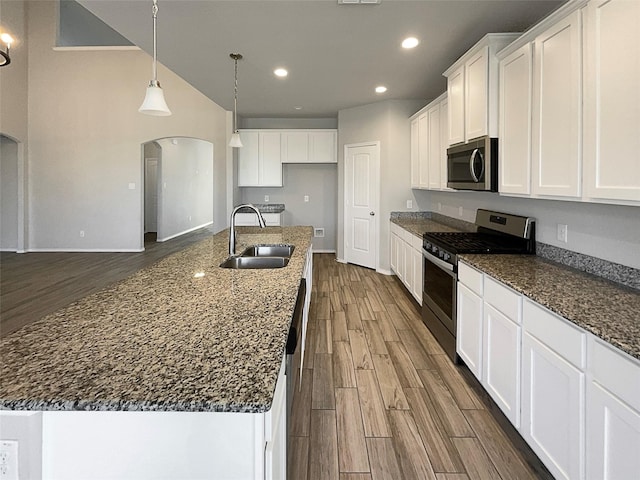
[9, 460]
[132, 186]
[409, 204]
[460, 211]
[306, 198]
[81, 233]
[318, 232]
[266, 198]
[563, 231]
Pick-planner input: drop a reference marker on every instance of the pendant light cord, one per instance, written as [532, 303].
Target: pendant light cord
[154, 11]
[235, 99]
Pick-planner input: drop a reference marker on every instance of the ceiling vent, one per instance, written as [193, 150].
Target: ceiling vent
[359, 2]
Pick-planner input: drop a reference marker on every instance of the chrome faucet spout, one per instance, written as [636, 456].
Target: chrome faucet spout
[232, 225]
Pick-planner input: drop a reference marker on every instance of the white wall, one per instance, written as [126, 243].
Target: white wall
[610, 232]
[288, 122]
[85, 139]
[186, 185]
[387, 122]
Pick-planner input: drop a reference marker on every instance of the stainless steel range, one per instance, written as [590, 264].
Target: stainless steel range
[496, 233]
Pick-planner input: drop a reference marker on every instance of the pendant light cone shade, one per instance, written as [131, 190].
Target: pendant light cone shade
[154, 103]
[235, 141]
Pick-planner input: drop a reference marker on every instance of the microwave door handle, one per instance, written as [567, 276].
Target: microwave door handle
[476, 178]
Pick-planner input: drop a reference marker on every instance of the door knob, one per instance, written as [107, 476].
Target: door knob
[372, 213]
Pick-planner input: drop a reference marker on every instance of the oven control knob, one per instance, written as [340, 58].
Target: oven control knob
[427, 246]
[434, 249]
[446, 257]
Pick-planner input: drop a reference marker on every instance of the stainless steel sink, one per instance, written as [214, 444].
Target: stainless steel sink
[254, 262]
[269, 251]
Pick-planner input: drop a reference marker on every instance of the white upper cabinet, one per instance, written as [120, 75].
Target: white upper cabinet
[259, 162]
[248, 169]
[514, 150]
[472, 90]
[455, 95]
[612, 100]
[429, 146]
[557, 112]
[309, 146]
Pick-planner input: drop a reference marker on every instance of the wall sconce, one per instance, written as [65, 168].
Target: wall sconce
[7, 40]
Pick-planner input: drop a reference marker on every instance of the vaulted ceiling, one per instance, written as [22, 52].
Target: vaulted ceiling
[335, 54]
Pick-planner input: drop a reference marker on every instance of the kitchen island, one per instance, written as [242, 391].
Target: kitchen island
[173, 370]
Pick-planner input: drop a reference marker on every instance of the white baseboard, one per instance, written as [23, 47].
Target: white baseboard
[384, 271]
[324, 251]
[182, 233]
[341, 260]
[87, 250]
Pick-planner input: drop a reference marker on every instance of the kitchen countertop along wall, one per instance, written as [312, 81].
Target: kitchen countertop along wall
[601, 306]
[162, 339]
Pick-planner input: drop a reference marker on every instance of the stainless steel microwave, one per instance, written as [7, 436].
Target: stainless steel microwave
[474, 165]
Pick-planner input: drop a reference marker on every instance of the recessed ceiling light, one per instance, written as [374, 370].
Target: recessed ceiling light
[381, 89]
[410, 42]
[298, 108]
[281, 72]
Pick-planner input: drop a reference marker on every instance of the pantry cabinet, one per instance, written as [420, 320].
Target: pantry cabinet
[472, 90]
[557, 111]
[612, 100]
[428, 151]
[259, 163]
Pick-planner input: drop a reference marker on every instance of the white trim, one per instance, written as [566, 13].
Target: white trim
[384, 271]
[325, 251]
[96, 48]
[340, 260]
[183, 232]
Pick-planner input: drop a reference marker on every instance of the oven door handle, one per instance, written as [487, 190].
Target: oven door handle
[436, 261]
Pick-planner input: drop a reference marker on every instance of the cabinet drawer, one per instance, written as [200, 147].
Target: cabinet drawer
[555, 332]
[502, 298]
[405, 235]
[471, 277]
[604, 359]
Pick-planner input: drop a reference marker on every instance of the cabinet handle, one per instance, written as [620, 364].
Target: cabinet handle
[476, 178]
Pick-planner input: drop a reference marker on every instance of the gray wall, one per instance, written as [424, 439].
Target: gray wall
[611, 232]
[78, 27]
[85, 142]
[319, 181]
[288, 122]
[8, 194]
[387, 122]
[185, 176]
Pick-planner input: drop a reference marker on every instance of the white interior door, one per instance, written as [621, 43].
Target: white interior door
[150, 195]
[362, 165]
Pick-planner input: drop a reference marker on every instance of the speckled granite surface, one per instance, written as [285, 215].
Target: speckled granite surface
[163, 339]
[265, 208]
[604, 308]
[418, 224]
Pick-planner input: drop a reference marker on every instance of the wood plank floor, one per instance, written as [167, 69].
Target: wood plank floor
[379, 399]
[35, 284]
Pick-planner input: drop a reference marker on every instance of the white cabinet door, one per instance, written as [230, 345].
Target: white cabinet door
[416, 256]
[557, 113]
[415, 154]
[295, 147]
[501, 362]
[270, 163]
[275, 432]
[455, 96]
[248, 160]
[515, 122]
[393, 259]
[423, 149]
[444, 142]
[476, 96]
[323, 147]
[433, 153]
[612, 100]
[469, 329]
[408, 265]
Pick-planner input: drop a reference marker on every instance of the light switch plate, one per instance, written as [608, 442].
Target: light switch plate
[409, 204]
[563, 231]
[9, 460]
[306, 198]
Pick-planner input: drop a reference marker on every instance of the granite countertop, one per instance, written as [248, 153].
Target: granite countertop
[606, 309]
[162, 339]
[417, 225]
[265, 208]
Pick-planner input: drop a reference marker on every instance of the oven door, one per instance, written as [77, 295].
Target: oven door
[439, 301]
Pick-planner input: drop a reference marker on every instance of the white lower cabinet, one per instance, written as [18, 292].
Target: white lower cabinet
[469, 330]
[406, 259]
[553, 391]
[613, 413]
[251, 219]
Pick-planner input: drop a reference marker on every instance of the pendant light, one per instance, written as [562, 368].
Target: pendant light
[154, 103]
[5, 59]
[235, 136]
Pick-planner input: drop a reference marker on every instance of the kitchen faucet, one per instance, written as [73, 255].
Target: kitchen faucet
[232, 227]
